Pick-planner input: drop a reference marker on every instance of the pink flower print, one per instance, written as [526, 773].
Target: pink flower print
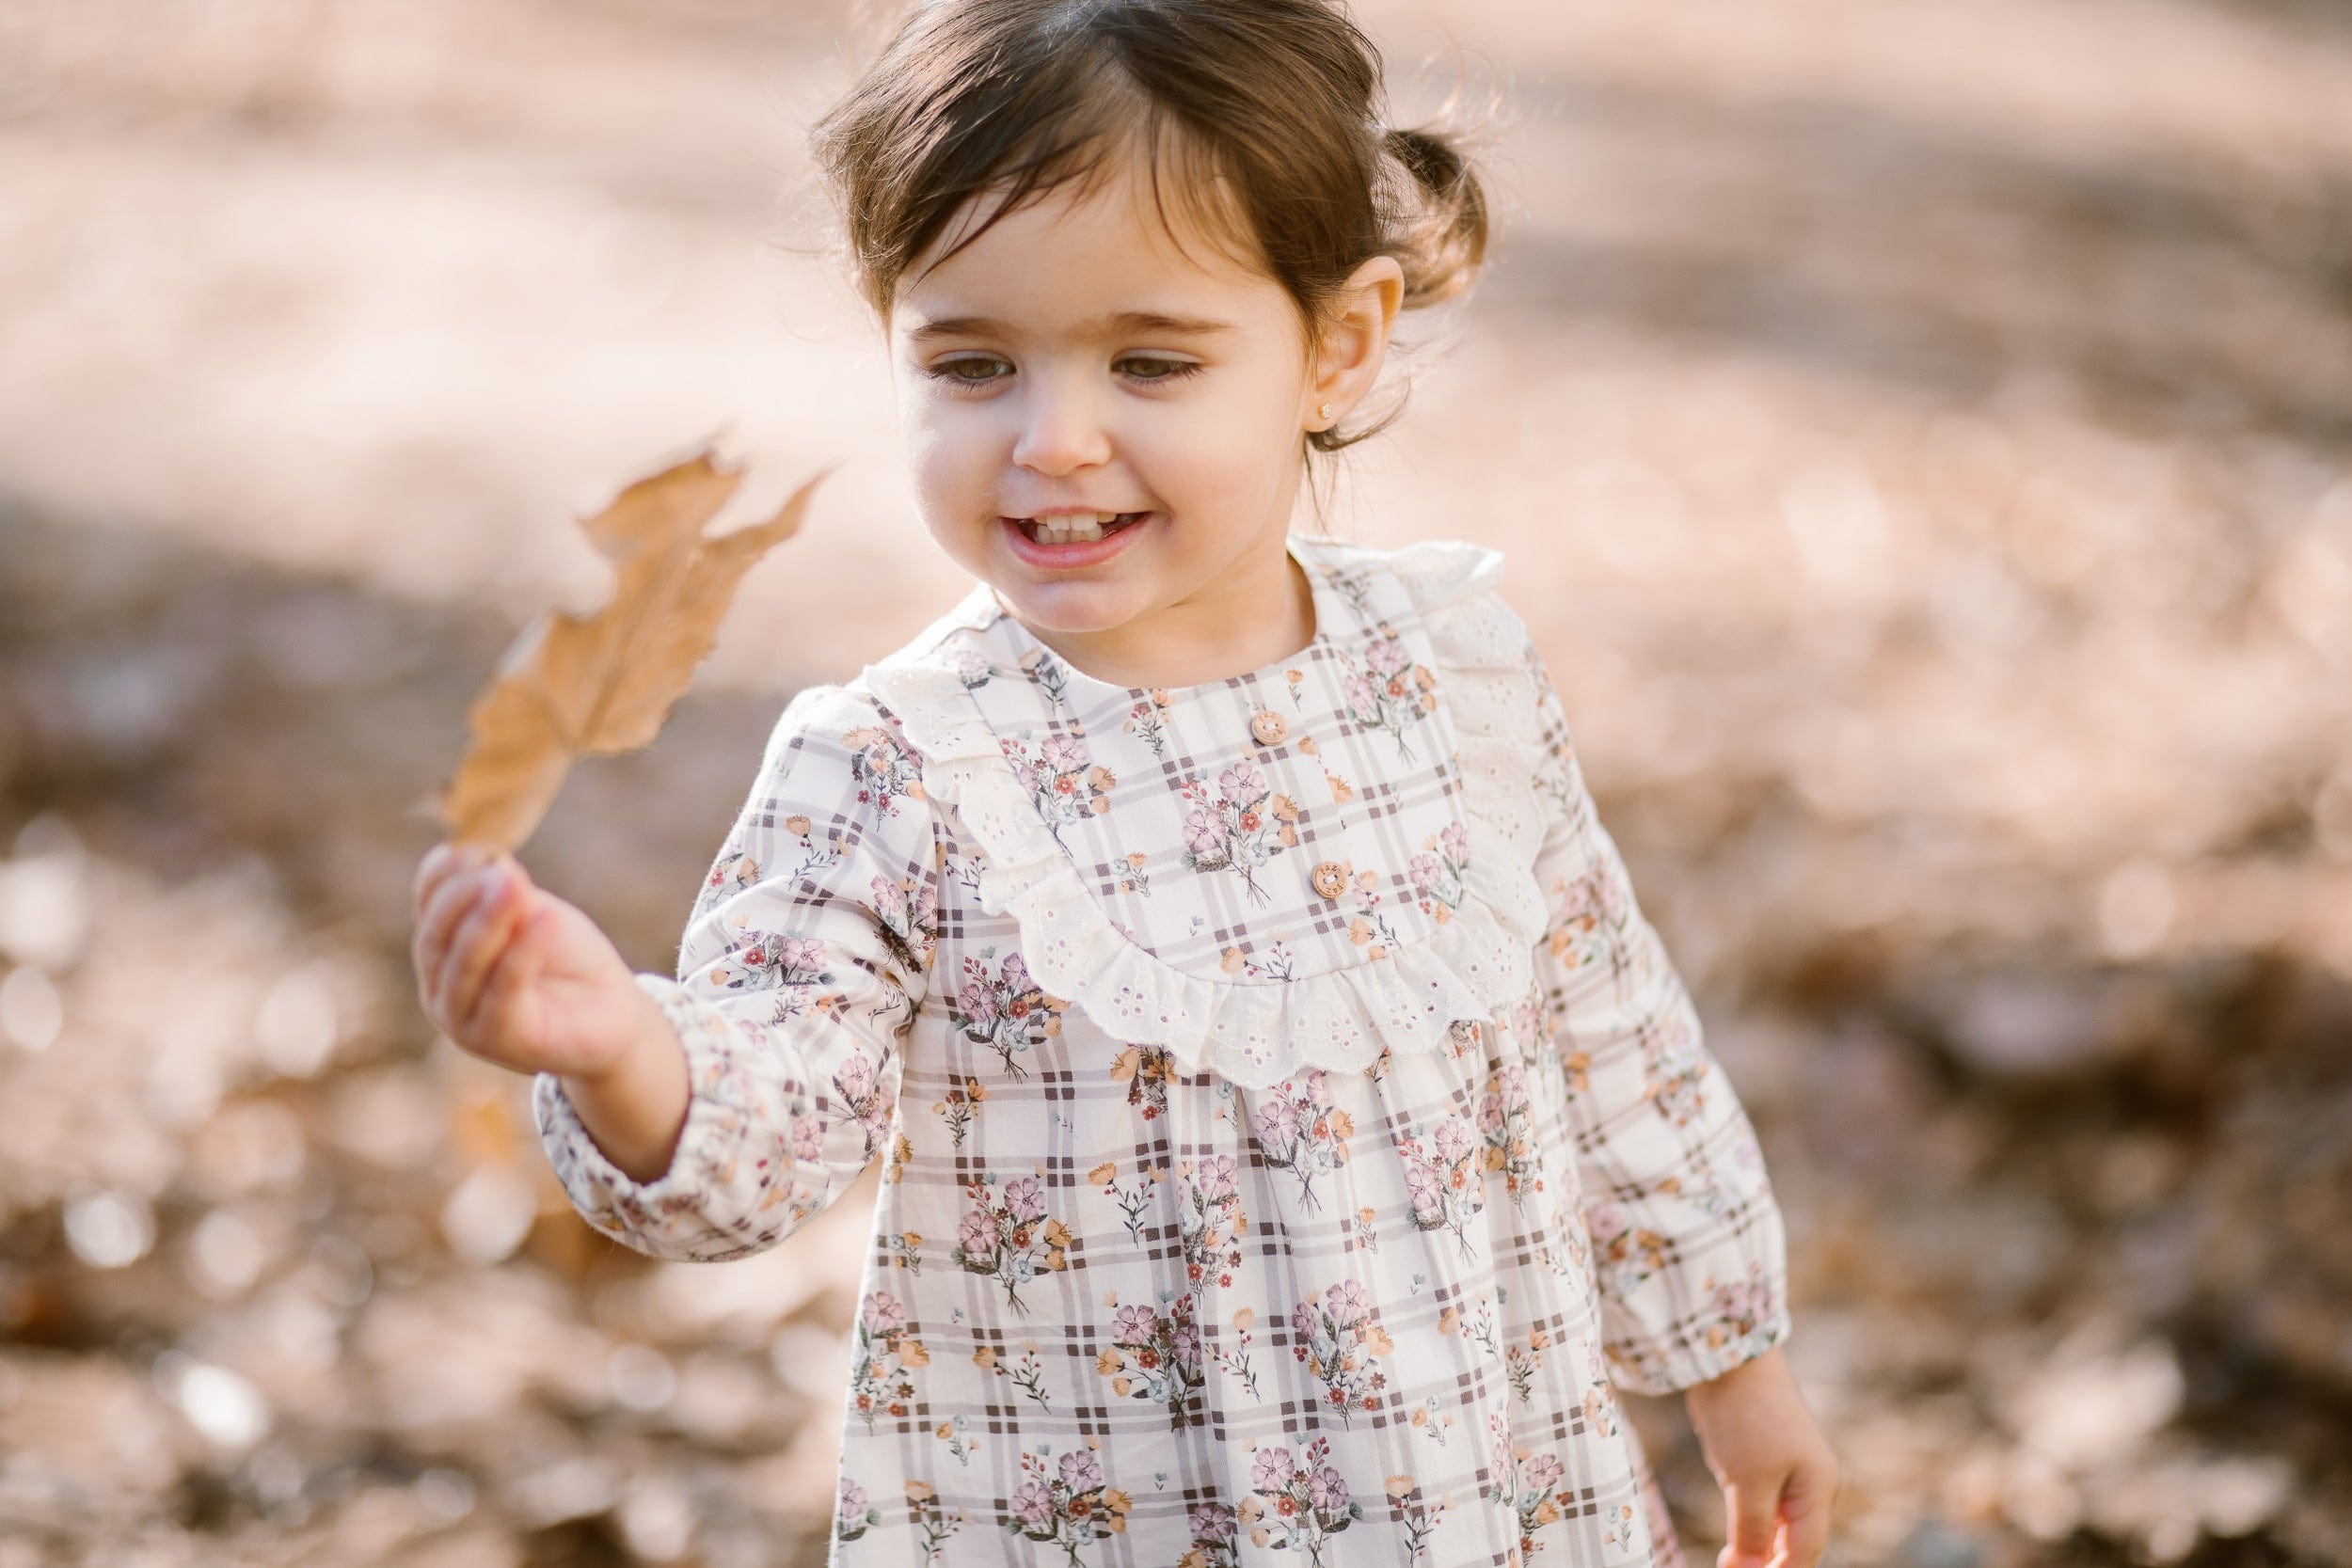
[1013, 1241]
[855, 1077]
[881, 1314]
[770, 961]
[851, 1517]
[1445, 1179]
[1505, 1116]
[1348, 1302]
[1205, 836]
[1525, 1486]
[1341, 1341]
[1004, 1011]
[1302, 1132]
[911, 929]
[1156, 1355]
[1439, 873]
[1623, 1256]
[1240, 828]
[1024, 1198]
[1216, 1177]
[1588, 918]
[1063, 782]
[1386, 690]
[1302, 1500]
[883, 770]
[1071, 1504]
[729, 874]
[808, 1140]
[1081, 1470]
[971, 666]
[882, 1359]
[1214, 1527]
[1033, 1504]
[1209, 1219]
[854, 1084]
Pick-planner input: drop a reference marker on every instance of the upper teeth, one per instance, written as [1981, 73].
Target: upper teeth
[1074, 525]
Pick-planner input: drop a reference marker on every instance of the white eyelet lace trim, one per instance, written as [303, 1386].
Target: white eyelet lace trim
[1477, 965]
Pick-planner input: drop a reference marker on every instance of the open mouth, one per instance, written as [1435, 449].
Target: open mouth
[1075, 531]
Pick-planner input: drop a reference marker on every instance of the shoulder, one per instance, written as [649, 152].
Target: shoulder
[1452, 587]
[1432, 573]
[853, 713]
[837, 732]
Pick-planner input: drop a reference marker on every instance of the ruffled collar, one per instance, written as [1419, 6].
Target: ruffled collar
[1298, 866]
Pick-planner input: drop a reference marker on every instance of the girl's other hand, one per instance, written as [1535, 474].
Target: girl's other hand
[515, 975]
[1777, 1471]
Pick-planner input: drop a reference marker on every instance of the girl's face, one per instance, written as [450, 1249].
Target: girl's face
[1073, 359]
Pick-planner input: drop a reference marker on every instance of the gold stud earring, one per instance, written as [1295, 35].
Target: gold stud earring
[1323, 412]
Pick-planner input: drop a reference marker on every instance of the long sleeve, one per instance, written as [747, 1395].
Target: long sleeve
[799, 973]
[1689, 1245]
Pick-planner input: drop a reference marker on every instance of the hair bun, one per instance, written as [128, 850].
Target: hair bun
[1446, 238]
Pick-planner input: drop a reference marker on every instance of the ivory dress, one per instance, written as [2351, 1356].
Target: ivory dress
[1292, 1127]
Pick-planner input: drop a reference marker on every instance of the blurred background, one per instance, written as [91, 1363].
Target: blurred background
[1921, 435]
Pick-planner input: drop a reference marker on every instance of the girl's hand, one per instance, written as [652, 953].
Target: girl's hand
[1777, 1471]
[515, 975]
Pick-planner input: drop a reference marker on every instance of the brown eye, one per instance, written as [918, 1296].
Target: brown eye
[951, 371]
[1175, 370]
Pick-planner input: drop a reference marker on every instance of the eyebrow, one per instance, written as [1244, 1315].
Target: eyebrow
[1119, 323]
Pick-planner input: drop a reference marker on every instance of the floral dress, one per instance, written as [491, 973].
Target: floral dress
[1294, 1134]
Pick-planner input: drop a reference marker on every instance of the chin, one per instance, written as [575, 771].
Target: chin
[1070, 606]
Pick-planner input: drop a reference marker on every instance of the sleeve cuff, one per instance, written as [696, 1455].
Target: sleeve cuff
[625, 1208]
[1662, 1371]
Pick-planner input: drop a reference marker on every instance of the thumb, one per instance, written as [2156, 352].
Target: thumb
[1750, 1508]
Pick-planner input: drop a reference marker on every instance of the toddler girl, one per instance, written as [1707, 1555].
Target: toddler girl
[1293, 1135]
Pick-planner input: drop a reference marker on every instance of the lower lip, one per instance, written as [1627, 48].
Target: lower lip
[1085, 552]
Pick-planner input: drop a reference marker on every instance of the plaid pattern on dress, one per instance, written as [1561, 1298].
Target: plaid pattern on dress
[1120, 1311]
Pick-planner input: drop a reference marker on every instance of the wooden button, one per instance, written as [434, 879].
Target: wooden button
[1268, 726]
[1330, 879]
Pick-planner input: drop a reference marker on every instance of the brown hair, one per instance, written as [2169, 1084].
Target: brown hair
[1279, 141]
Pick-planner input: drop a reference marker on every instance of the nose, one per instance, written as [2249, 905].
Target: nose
[1061, 427]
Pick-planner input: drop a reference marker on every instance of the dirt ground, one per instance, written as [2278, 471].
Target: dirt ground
[1921, 435]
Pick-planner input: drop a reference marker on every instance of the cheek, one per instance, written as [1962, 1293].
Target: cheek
[1208, 444]
[946, 455]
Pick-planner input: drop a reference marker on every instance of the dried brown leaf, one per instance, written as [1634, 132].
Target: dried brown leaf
[573, 685]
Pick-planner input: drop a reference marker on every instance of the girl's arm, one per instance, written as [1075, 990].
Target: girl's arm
[1687, 1242]
[799, 976]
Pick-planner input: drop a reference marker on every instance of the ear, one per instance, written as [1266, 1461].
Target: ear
[1355, 344]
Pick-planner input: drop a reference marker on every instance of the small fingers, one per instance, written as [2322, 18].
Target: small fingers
[447, 858]
[517, 965]
[442, 899]
[477, 943]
